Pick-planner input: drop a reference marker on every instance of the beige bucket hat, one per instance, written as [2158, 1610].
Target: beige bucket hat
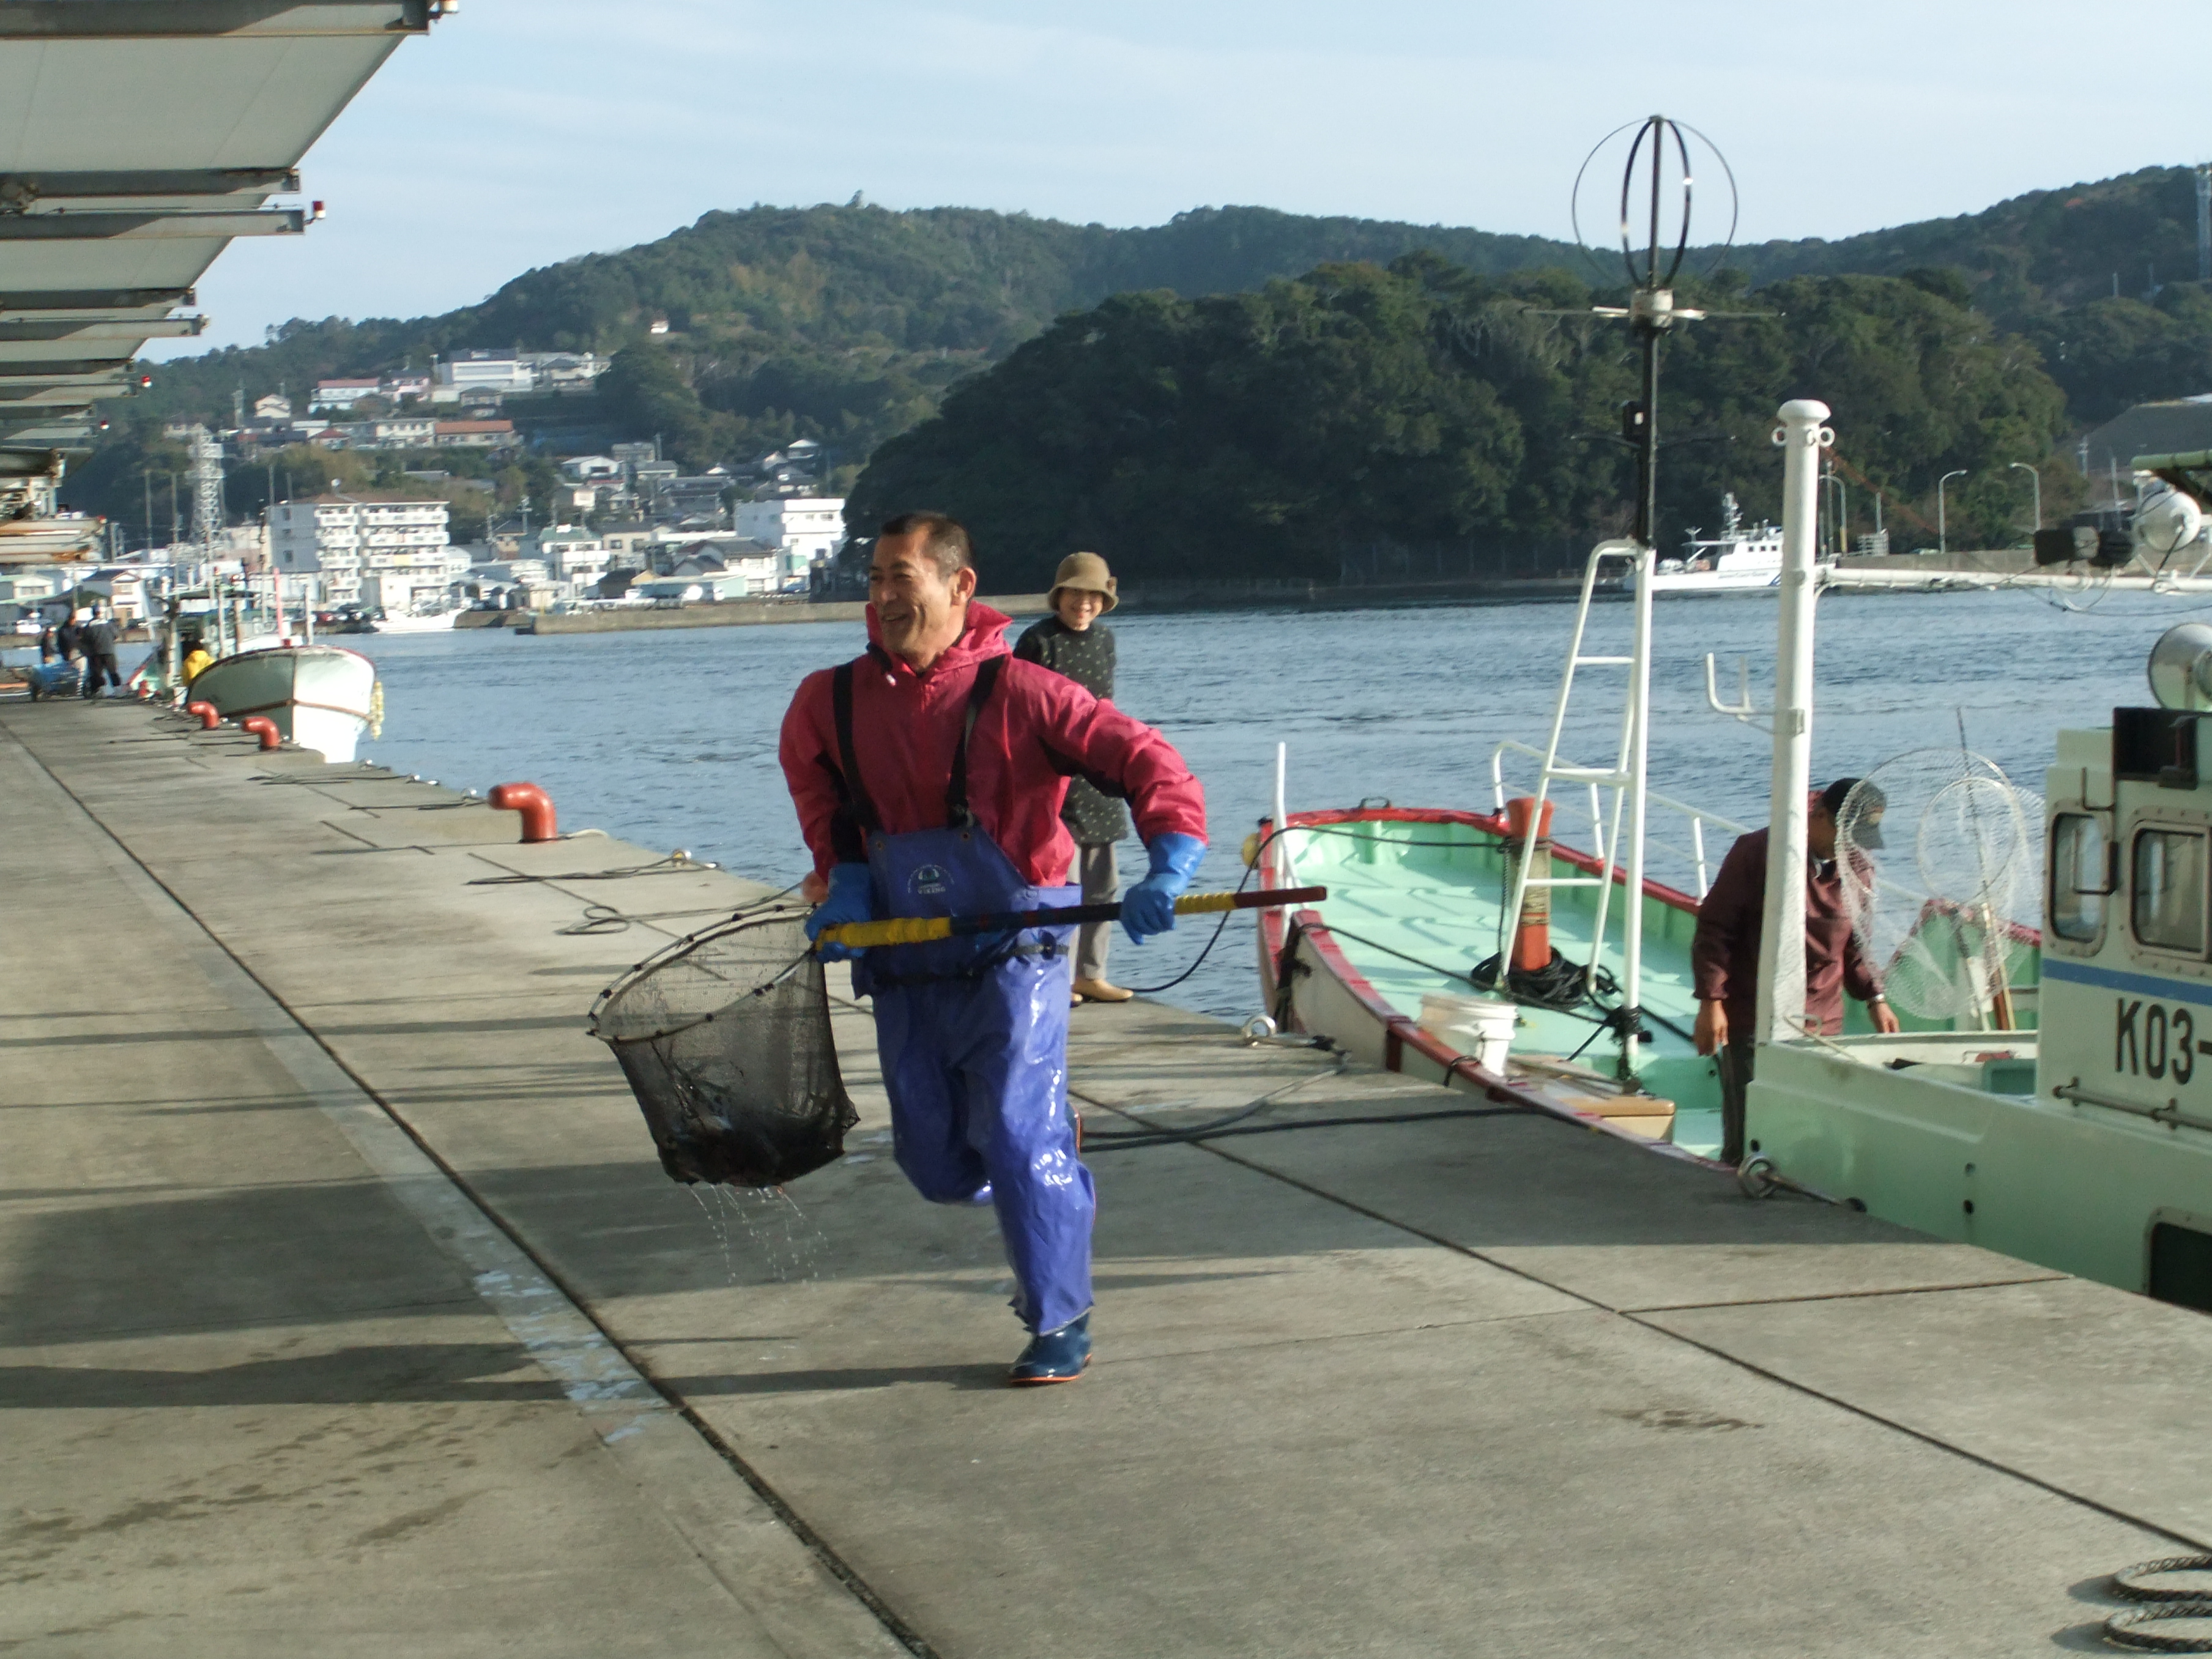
[1087, 573]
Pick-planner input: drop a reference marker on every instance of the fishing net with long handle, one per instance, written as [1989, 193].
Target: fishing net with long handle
[726, 1039]
[1943, 894]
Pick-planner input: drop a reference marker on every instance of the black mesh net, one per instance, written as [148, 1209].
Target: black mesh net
[725, 1037]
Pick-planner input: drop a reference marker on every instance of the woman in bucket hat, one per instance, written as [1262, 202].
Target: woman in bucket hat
[1072, 641]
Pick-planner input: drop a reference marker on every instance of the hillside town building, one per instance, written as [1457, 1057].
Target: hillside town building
[372, 551]
[342, 394]
[804, 529]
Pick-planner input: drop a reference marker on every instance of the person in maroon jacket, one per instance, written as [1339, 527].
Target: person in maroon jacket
[1724, 955]
[929, 775]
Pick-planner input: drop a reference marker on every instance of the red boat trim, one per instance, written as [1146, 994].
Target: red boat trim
[1399, 1032]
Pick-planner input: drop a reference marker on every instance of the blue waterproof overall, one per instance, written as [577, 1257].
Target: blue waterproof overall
[972, 1033]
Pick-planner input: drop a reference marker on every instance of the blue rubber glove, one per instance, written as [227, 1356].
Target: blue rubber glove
[1149, 908]
[851, 897]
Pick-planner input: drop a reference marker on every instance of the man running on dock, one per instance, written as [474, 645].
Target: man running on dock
[929, 775]
[1724, 955]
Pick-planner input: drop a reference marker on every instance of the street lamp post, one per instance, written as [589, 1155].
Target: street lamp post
[1942, 537]
[2035, 478]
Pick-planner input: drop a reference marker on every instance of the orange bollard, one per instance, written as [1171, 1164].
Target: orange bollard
[208, 718]
[261, 726]
[1532, 934]
[534, 802]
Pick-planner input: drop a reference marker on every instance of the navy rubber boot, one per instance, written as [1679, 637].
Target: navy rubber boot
[1054, 1356]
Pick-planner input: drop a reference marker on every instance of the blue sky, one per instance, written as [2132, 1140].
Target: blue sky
[522, 131]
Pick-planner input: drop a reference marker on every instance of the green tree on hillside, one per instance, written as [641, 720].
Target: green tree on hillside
[644, 391]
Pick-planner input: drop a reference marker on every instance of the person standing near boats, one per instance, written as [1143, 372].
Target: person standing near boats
[1724, 953]
[1073, 642]
[97, 643]
[929, 775]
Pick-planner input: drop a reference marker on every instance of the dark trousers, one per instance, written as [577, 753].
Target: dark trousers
[94, 667]
[1735, 1061]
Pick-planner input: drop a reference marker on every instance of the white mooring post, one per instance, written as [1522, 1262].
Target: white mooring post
[1282, 847]
[1782, 936]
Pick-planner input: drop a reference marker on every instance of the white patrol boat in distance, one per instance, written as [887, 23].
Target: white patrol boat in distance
[1737, 560]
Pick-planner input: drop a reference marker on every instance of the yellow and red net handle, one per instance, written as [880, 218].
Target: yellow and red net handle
[922, 930]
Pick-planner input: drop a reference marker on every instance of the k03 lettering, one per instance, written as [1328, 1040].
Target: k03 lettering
[2151, 1040]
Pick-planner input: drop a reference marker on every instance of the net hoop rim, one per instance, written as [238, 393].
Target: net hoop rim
[759, 916]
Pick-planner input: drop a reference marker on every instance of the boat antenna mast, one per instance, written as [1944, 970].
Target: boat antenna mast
[1653, 269]
[1651, 312]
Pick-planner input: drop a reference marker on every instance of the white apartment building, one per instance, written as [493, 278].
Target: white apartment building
[344, 539]
[573, 555]
[803, 526]
[342, 394]
[487, 371]
[404, 432]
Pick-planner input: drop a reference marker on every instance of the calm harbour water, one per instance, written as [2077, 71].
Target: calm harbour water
[669, 739]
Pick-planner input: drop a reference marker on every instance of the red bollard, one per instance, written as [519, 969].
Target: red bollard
[261, 726]
[208, 718]
[534, 802]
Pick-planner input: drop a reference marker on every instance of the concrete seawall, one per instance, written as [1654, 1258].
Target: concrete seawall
[735, 614]
[1160, 598]
[346, 1310]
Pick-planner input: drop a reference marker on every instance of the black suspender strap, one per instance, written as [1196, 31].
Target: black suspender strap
[848, 771]
[957, 814]
[862, 811]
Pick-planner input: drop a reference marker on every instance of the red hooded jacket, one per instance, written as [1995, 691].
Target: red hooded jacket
[1037, 730]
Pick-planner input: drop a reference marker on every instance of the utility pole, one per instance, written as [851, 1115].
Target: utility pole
[1942, 538]
[2035, 478]
[2204, 222]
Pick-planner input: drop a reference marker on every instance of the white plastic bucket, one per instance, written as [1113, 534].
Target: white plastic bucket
[1478, 1027]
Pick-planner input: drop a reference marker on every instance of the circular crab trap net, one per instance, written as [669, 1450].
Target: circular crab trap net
[725, 1037]
[1939, 853]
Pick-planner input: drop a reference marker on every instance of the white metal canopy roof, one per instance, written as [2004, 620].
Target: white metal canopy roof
[137, 138]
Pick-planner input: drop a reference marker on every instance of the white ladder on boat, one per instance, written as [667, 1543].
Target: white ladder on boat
[1626, 778]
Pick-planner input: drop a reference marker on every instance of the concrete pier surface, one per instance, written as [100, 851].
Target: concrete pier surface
[346, 1310]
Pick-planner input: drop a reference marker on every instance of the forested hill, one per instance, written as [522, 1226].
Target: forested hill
[830, 300]
[884, 293]
[2028, 257]
[848, 323]
[1420, 419]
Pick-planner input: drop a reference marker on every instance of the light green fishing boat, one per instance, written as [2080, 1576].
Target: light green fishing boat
[1417, 905]
[1400, 967]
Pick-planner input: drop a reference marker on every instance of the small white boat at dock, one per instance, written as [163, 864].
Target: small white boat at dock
[320, 696]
